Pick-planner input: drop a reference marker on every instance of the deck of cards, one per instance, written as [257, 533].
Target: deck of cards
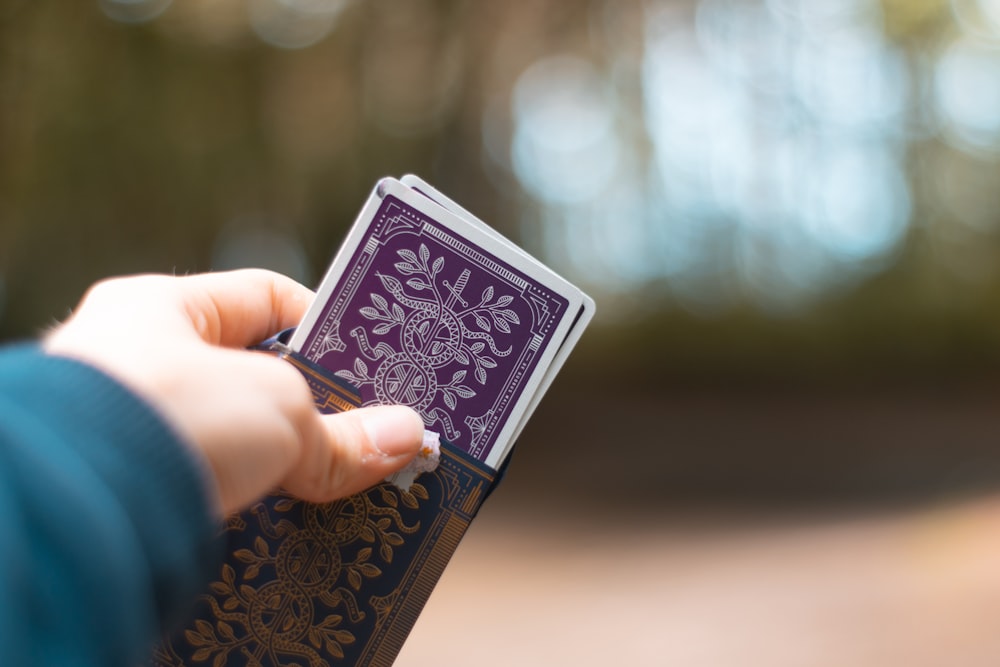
[425, 305]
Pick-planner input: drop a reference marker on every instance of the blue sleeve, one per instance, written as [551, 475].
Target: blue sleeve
[106, 535]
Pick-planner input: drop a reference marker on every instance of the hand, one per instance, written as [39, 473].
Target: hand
[178, 342]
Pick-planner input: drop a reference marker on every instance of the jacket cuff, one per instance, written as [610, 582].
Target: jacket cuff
[159, 482]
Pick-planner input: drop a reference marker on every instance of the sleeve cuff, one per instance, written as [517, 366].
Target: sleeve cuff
[157, 480]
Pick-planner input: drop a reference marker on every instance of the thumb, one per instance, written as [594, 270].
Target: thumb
[354, 450]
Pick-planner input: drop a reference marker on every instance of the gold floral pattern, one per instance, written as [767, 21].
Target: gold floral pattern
[342, 583]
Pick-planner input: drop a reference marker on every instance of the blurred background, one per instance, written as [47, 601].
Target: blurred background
[778, 443]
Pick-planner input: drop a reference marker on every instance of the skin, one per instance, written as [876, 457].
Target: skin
[179, 343]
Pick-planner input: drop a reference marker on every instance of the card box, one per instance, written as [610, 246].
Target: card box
[331, 584]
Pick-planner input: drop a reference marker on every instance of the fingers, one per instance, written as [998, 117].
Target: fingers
[250, 416]
[355, 450]
[232, 308]
[240, 308]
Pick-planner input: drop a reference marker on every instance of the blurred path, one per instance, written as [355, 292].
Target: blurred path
[913, 589]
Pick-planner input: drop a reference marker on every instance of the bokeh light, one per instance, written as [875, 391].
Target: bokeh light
[773, 169]
[991, 11]
[967, 93]
[858, 202]
[294, 24]
[819, 18]
[853, 79]
[564, 148]
[718, 154]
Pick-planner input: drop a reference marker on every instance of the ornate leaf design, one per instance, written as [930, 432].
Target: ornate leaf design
[501, 323]
[285, 504]
[225, 630]
[343, 636]
[510, 316]
[332, 620]
[261, 546]
[349, 376]
[369, 570]
[202, 654]
[388, 496]
[196, 639]
[390, 283]
[245, 555]
[464, 392]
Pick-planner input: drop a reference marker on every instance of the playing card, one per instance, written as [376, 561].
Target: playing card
[584, 315]
[423, 308]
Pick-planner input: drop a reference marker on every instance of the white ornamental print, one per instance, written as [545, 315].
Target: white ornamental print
[433, 342]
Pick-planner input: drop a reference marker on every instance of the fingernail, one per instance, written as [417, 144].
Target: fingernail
[394, 430]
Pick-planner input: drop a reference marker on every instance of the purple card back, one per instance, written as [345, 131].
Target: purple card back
[419, 315]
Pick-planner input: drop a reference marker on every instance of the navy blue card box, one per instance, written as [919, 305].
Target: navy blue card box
[342, 583]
